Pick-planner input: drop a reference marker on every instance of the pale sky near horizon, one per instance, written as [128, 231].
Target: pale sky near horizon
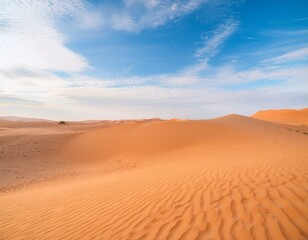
[78, 59]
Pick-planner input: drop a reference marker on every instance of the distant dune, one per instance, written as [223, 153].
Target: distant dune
[23, 119]
[287, 116]
[232, 177]
[134, 139]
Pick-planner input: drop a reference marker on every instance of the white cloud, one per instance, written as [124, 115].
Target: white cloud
[175, 80]
[211, 46]
[152, 96]
[296, 55]
[29, 37]
[227, 75]
[213, 41]
[138, 15]
[86, 99]
[40, 87]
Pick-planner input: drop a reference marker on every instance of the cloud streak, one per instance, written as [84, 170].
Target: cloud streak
[138, 15]
[211, 45]
[297, 55]
[213, 41]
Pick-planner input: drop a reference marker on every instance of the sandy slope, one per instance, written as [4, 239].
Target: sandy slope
[229, 178]
[287, 116]
[29, 152]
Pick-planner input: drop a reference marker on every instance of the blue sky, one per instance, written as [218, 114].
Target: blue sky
[76, 59]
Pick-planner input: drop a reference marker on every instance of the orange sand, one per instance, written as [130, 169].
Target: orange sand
[233, 177]
[287, 116]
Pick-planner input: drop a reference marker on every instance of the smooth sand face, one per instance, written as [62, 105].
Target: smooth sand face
[229, 178]
[287, 116]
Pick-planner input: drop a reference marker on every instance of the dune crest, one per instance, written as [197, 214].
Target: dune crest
[287, 116]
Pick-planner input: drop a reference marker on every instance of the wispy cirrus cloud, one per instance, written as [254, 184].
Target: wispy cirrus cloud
[212, 41]
[211, 45]
[227, 75]
[296, 55]
[137, 15]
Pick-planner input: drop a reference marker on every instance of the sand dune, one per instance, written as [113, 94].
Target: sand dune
[287, 116]
[29, 151]
[23, 119]
[228, 178]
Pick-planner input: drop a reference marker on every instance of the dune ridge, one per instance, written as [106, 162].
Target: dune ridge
[287, 116]
[233, 177]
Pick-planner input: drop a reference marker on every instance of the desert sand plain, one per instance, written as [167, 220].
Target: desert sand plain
[232, 177]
